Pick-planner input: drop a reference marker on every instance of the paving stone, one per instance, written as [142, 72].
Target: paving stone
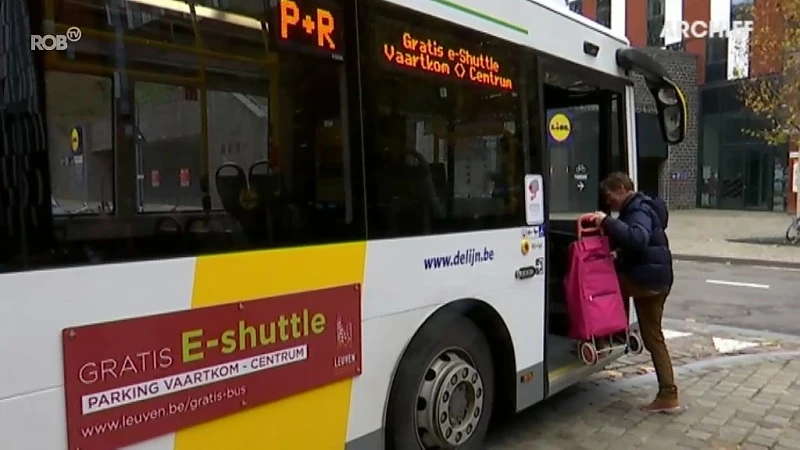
[749, 418]
[645, 432]
[592, 444]
[731, 435]
[790, 435]
[713, 421]
[612, 430]
[767, 432]
[692, 443]
[789, 442]
[697, 434]
[761, 440]
[718, 444]
[778, 420]
[755, 409]
[673, 431]
[786, 411]
[740, 406]
[754, 447]
[706, 428]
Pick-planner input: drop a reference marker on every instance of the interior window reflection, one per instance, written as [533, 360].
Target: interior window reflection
[80, 138]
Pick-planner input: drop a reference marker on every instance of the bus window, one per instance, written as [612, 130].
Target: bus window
[184, 129]
[79, 136]
[167, 147]
[582, 140]
[619, 154]
[444, 148]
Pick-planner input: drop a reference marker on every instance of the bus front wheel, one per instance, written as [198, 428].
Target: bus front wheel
[444, 389]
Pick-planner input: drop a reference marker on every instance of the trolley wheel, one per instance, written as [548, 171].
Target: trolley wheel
[588, 353]
[443, 392]
[635, 344]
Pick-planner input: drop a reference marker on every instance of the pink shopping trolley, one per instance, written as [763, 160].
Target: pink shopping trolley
[595, 305]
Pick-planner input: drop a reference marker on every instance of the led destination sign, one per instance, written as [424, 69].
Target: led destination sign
[428, 55]
[312, 26]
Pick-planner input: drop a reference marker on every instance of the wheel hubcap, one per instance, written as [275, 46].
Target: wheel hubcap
[449, 401]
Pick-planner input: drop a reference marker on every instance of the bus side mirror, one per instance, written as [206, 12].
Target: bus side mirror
[671, 106]
[670, 101]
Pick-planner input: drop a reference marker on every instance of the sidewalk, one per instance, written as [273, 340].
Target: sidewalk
[701, 234]
[689, 342]
[747, 402]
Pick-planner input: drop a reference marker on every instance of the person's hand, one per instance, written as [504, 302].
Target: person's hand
[614, 254]
[599, 217]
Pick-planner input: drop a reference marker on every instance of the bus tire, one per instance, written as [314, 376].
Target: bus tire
[443, 391]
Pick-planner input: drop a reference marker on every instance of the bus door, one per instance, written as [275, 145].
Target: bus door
[583, 111]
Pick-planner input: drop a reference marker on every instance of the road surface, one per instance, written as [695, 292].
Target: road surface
[759, 298]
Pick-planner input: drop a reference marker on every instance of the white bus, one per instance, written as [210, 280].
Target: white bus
[297, 224]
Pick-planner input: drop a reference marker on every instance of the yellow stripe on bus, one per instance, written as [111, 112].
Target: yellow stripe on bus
[313, 420]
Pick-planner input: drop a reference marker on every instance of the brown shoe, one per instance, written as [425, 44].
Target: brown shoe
[663, 405]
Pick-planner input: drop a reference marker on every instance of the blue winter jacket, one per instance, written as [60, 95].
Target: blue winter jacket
[643, 247]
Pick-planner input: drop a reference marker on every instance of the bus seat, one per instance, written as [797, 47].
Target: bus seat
[261, 179]
[231, 182]
[439, 176]
[263, 183]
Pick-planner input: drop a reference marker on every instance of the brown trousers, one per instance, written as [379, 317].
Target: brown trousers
[650, 311]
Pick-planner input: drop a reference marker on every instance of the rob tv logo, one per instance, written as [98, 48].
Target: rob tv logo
[55, 41]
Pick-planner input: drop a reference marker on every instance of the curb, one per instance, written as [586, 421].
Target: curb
[725, 330]
[717, 362]
[737, 261]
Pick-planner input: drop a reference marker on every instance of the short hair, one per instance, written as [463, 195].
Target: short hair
[615, 181]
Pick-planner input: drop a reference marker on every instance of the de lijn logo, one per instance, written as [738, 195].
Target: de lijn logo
[55, 41]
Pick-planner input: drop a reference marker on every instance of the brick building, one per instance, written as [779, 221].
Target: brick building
[673, 174]
[730, 169]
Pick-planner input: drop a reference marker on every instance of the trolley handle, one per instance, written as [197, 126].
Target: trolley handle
[584, 230]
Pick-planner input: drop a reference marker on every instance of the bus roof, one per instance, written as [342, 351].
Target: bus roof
[547, 26]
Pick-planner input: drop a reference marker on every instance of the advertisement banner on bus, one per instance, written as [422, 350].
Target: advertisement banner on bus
[135, 379]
